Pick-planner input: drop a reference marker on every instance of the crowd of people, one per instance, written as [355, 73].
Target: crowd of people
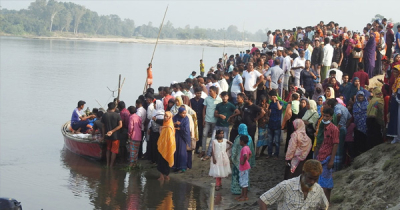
[310, 83]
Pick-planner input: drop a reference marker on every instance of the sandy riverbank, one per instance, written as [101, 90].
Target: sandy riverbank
[210, 43]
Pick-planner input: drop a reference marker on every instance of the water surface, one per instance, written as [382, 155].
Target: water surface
[40, 83]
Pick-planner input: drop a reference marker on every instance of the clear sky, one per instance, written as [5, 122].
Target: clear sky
[253, 15]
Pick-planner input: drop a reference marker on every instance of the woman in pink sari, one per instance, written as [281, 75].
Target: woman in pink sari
[298, 149]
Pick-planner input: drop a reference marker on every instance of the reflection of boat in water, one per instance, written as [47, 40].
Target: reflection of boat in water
[117, 189]
[83, 146]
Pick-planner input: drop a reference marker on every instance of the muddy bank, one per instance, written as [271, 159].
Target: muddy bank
[371, 182]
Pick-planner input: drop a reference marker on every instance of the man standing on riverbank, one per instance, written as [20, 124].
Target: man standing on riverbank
[111, 123]
[251, 79]
[302, 192]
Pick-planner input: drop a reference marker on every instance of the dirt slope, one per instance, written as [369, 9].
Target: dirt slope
[372, 182]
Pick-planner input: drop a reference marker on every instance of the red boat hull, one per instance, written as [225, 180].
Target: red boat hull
[94, 150]
[84, 147]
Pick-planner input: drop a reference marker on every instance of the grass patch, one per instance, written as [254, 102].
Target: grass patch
[337, 198]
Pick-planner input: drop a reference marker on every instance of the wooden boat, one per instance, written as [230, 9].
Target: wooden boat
[87, 147]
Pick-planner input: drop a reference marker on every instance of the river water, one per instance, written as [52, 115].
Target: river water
[40, 83]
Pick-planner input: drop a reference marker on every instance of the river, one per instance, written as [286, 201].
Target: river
[41, 82]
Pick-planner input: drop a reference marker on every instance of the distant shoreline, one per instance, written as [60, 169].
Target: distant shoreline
[210, 43]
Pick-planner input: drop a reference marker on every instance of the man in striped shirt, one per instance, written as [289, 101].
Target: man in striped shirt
[300, 193]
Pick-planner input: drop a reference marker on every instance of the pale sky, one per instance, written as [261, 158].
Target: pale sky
[253, 15]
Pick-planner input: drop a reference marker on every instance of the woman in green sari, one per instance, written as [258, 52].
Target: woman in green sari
[236, 148]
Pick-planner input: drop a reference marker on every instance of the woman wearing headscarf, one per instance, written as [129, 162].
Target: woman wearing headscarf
[299, 147]
[310, 120]
[318, 92]
[189, 111]
[236, 148]
[375, 121]
[394, 107]
[166, 146]
[154, 129]
[303, 107]
[329, 93]
[360, 119]
[333, 84]
[351, 90]
[321, 100]
[352, 60]
[369, 55]
[182, 139]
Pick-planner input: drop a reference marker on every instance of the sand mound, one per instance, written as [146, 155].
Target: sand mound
[371, 182]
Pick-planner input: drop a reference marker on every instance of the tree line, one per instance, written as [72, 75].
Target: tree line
[46, 17]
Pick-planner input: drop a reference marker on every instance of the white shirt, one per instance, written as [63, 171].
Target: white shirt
[150, 109]
[287, 65]
[250, 79]
[270, 39]
[296, 63]
[216, 84]
[339, 75]
[141, 112]
[328, 54]
[224, 85]
[176, 94]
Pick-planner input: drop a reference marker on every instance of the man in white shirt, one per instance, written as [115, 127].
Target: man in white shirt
[287, 65]
[298, 66]
[176, 91]
[339, 74]
[214, 80]
[270, 40]
[222, 83]
[251, 79]
[327, 58]
[264, 48]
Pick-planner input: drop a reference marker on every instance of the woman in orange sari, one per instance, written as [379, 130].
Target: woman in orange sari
[166, 147]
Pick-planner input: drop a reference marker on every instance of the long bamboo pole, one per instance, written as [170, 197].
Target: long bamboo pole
[155, 47]
[119, 90]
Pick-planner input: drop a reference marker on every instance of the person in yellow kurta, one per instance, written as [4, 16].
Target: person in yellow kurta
[166, 147]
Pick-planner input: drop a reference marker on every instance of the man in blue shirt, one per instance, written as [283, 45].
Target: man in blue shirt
[246, 57]
[78, 122]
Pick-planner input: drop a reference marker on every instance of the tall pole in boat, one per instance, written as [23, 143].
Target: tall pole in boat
[119, 90]
[202, 54]
[159, 32]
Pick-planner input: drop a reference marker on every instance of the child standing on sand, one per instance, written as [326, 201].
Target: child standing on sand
[245, 155]
[219, 164]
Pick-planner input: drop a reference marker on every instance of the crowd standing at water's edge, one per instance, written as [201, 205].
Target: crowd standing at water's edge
[312, 83]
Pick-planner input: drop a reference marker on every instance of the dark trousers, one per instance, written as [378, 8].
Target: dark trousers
[200, 128]
[253, 93]
[80, 124]
[234, 133]
[153, 146]
[252, 132]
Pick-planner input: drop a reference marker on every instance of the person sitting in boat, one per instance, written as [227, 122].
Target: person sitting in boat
[79, 122]
[98, 126]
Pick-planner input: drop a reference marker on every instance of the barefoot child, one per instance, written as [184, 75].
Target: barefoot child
[219, 164]
[245, 155]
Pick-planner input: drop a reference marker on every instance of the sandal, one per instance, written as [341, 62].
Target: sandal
[243, 199]
[201, 155]
[239, 197]
[205, 158]
[217, 188]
